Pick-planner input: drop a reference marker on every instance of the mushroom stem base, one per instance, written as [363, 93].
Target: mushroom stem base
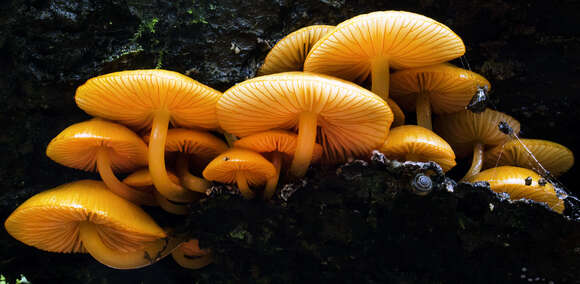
[476, 163]
[307, 125]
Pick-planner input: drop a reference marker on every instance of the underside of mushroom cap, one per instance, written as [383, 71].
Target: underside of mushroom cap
[275, 141]
[512, 180]
[133, 97]
[420, 144]
[464, 129]
[50, 220]
[554, 157]
[78, 145]
[199, 143]
[406, 39]
[290, 52]
[351, 120]
[227, 166]
[449, 88]
[142, 178]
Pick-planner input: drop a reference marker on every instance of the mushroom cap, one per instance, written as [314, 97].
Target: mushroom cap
[142, 178]
[50, 220]
[133, 97]
[512, 180]
[407, 39]
[225, 167]
[351, 120]
[554, 157]
[275, 141]
[450, 88]
[290, 52]
[77, 146]
[464, 129]
[199, 143]
[420, 144]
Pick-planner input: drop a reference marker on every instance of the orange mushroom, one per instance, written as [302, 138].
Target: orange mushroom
[416, 143]
[145, 99]
[241, 166]
[441, 89]
[349, 120]
[552, 156]
[84, 216]
[190, 255]
[469, 132]
[105, 146]
[520, 183]
[290, 52]
[370, 44]
[278, 145]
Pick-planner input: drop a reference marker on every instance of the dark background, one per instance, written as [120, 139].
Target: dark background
[528, 50]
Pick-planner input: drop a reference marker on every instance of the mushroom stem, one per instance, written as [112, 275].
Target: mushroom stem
[380, 77]
[307, 124]
[477, 161]
[118, 187]
[151, 253]
[188, 180]
[271, 184]
[242, 183]
[423, 109]
[230, 138]
[168, 206]
[157, 168]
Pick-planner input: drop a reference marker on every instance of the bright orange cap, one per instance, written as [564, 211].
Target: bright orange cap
[133, 97]
[230, 165]
[554, 157]
[415, 143]
[85, 216]
[512, 180]
[78, 145]
[351, 121]
[404, 39]
[449, 88]
[290, 52]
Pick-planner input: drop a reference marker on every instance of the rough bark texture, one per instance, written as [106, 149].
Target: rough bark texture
[338, 228]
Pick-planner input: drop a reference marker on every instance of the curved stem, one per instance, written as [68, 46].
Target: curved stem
[168, 206]
[270, 189]
[305, 145]
[380, 77]
[116, 186]
[230, 138]
[242, 183]
[423, 109]
[151, 253]
[477, 161]
[157, 168]
[188, 180]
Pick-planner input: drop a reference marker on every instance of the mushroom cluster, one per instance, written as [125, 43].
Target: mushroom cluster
[309, 105]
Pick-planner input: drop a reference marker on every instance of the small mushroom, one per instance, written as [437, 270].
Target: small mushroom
[416, 143]
[290, 52]
[469, 132]
[555, 158]
[105, 146]
[144, 99]
[513, 181]
[349, 120]
[441, 89]
[370, 44]
[241, 166]
[190, 255]
[84, 216]
[278, 145]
